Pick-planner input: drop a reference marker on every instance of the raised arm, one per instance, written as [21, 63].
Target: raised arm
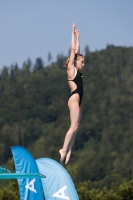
[77, 50]
[72, 49]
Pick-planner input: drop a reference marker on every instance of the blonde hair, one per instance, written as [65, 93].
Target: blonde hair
[77, 57]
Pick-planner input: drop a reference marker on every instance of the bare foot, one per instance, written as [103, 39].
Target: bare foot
[68, 156]
[63, 155]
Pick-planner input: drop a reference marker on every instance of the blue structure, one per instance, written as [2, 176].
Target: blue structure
[58, 185]
[29, 188]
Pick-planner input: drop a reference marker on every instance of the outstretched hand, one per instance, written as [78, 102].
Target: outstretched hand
[77, 33]
[74, 31]
[73, 28]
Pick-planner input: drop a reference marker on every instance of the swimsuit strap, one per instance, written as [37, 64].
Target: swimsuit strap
[75, 76]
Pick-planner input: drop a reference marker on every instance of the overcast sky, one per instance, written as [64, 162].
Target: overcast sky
[33, 28]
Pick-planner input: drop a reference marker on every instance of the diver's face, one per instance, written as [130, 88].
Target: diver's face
[80, 63]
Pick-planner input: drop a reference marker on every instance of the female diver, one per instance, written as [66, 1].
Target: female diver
[73, 64]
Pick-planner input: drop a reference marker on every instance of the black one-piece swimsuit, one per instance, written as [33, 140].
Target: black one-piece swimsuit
[79, 83]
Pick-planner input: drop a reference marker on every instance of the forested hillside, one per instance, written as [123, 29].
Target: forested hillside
[34, 114]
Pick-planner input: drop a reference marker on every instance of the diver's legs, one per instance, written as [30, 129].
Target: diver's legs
[69, 151]
[74, 119]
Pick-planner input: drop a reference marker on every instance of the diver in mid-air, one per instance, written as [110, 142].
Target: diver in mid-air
[73, 64]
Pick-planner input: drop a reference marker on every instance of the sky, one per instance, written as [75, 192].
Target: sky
[33, 28]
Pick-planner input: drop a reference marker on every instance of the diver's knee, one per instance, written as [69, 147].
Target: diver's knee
[75, 127]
